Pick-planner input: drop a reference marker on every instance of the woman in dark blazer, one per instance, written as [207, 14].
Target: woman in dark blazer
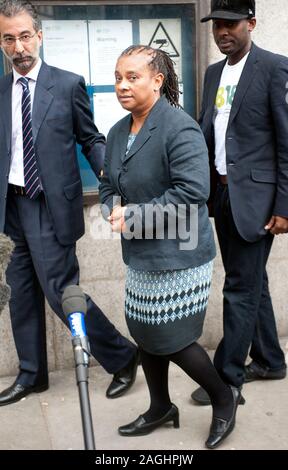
[154, 191]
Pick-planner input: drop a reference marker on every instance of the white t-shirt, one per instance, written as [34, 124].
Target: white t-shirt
[227, 88]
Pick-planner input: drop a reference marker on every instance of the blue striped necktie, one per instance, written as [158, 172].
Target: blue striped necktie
[31, 177]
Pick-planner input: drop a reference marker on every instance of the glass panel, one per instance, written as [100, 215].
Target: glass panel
[88, 39]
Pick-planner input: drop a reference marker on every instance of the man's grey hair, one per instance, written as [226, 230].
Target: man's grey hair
[10, 8]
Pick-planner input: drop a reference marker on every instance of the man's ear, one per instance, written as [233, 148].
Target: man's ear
[251, 24]
[40, 36]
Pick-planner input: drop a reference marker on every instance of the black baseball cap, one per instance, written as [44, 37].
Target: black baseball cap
[234, 10]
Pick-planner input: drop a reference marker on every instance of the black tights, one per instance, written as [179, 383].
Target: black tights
[196, 363]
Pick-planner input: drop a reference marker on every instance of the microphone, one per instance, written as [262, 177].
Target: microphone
[6, 248]
[75, 307]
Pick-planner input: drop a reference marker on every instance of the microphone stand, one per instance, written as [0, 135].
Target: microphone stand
[81, 355]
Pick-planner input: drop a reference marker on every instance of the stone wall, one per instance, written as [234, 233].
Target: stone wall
[103, 277]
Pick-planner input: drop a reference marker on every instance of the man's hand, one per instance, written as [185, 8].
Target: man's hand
[277, 225]
[117, 220]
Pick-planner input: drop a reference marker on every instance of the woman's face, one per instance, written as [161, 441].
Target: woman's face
[137, 86]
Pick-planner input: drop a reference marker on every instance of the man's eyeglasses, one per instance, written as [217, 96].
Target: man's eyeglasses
[11, 40]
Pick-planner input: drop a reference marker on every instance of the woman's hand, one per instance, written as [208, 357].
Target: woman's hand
[117, 220]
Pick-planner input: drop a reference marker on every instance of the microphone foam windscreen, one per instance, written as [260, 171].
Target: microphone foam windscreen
[73, 300]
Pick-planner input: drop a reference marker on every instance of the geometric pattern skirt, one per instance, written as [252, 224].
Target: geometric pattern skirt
[165, 310]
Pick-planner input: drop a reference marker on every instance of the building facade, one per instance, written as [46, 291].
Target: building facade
[86, 37]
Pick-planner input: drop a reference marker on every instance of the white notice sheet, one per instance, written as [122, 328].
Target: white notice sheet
[107, 39]
[65, 45]
[107, 111]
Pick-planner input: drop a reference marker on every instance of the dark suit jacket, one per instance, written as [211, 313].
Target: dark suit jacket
[61, 117]
[256, 140]
[167, 164]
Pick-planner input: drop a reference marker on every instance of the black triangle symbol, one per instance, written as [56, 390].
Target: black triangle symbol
[164, 41]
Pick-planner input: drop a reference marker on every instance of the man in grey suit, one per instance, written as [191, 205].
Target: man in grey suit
[245, 122]
[44, 111]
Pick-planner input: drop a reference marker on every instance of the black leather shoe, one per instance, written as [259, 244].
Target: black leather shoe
[17, 391]
[140, 427]
[255, 372]
[124, 379]
[221, 428]
[202, 398]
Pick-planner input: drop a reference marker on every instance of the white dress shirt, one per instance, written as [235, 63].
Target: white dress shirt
[16, 174]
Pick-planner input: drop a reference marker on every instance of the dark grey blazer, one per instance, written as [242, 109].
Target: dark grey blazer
[61, 117]
[167, 164]
[256, 140]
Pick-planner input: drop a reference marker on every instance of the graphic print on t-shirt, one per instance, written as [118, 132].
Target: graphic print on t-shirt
[225, 96]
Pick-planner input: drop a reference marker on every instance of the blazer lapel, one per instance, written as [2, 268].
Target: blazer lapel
[209, 102]
[42, 99]
[214, 85]
[150, 123]
[122, 137]
[247, 76]
[140, 140]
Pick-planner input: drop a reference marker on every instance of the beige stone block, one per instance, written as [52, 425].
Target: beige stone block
[100, 257]
[213, 325]
[278, 275]
[110, 297]
[8, 355]
[50, 338]
[62, 347]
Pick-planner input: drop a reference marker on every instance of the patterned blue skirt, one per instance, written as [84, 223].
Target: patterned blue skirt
[165, 310]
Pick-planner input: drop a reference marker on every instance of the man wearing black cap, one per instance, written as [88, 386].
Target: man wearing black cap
[244, 119]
